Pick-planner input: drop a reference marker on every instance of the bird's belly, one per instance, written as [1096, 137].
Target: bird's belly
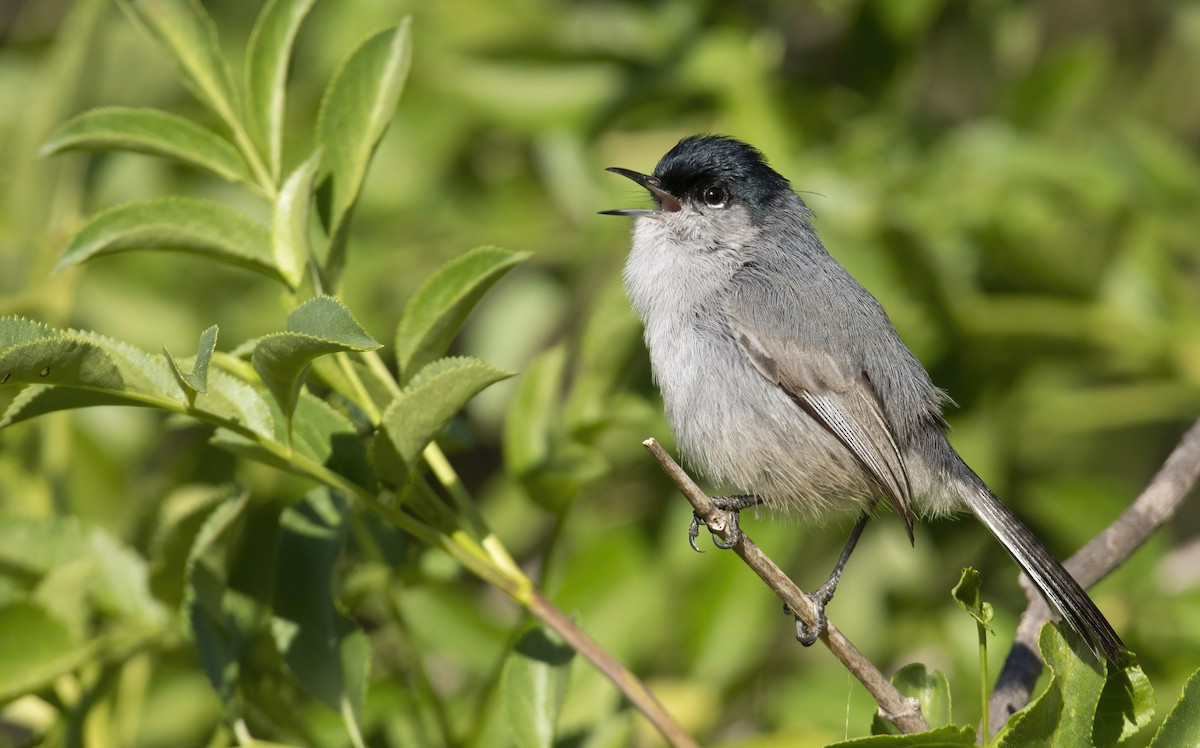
[746, 434]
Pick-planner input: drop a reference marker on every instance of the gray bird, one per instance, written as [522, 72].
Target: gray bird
[783, 377]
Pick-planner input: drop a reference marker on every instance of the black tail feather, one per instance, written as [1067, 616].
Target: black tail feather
[1054, 582]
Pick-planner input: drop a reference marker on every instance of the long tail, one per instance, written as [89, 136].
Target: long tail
[1054, 582]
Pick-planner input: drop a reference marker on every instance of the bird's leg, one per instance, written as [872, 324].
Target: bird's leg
[732, 505]
[819, 599]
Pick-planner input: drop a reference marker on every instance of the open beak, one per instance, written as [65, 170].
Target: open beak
[666, 201]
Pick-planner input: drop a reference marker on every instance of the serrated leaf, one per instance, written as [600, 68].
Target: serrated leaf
[268, 54]
[943, 737]
[356, 109]
[154, 132]
[969, 597]
[326, 317]
[232, 399]
[535, 683]
[197, 379]
[190, 36]
[319, 326]
[178, 224]
[289, 221]
[440, 305]
[1182, 725]
[1064, 713]
[416, 416]
[930, 689]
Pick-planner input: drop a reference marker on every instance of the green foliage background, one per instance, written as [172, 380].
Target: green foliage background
[1018, 184]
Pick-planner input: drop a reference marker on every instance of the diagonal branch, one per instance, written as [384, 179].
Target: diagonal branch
[904, 712]
[1091, 563]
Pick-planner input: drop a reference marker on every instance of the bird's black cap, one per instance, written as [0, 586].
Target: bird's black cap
[701, 161]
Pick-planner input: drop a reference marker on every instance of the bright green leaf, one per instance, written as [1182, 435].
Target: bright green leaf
[414, 418]
[355, 111]
[1182, 725]
[968, 596]
[317, 327]
[931, 689]
[267, 56]
[289, 221]
[178, 224]
[535, 683]
[1064, 713]
[151, 131]
[437, 309]
[943, 737]
[190, 36]
[1126, 706]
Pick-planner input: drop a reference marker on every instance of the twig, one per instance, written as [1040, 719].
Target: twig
[627, 682]
[1091, 563]
[904, 712]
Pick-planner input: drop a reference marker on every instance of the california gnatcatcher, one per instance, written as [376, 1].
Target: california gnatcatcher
[783, 377]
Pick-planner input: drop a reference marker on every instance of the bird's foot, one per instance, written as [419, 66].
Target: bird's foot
[805, 634]
[731, 506]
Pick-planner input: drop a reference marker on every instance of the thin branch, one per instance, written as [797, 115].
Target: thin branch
[1157, 503]
[904, 712]
[618, 674]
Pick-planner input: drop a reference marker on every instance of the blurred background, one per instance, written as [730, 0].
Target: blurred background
[1017, 183]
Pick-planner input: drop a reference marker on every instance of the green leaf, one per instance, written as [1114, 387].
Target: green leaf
[1182, 725]
[197, 379]
[931, 689]
[181, 515]
[267, 56]
[438, 391]
[38, 648]
[1064, 713]
[440, 305]
[943, 737]
[355, 111]
[86, 360]
[151, 131]
[326, 651]
[967, 594]
[319, 326]
[178, 224]
[290, 219]
[232, 399]
[535, 683]
[327, 437]
[529, 427]
[38, 400]
[190, 36]
[1126, 707]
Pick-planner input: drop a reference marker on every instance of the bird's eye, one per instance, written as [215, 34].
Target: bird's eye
[714, 197]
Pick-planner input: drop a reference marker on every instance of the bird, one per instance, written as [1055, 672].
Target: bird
[782, 376]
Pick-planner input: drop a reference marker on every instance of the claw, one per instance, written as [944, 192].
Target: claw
[807, 636]
[694, 532]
